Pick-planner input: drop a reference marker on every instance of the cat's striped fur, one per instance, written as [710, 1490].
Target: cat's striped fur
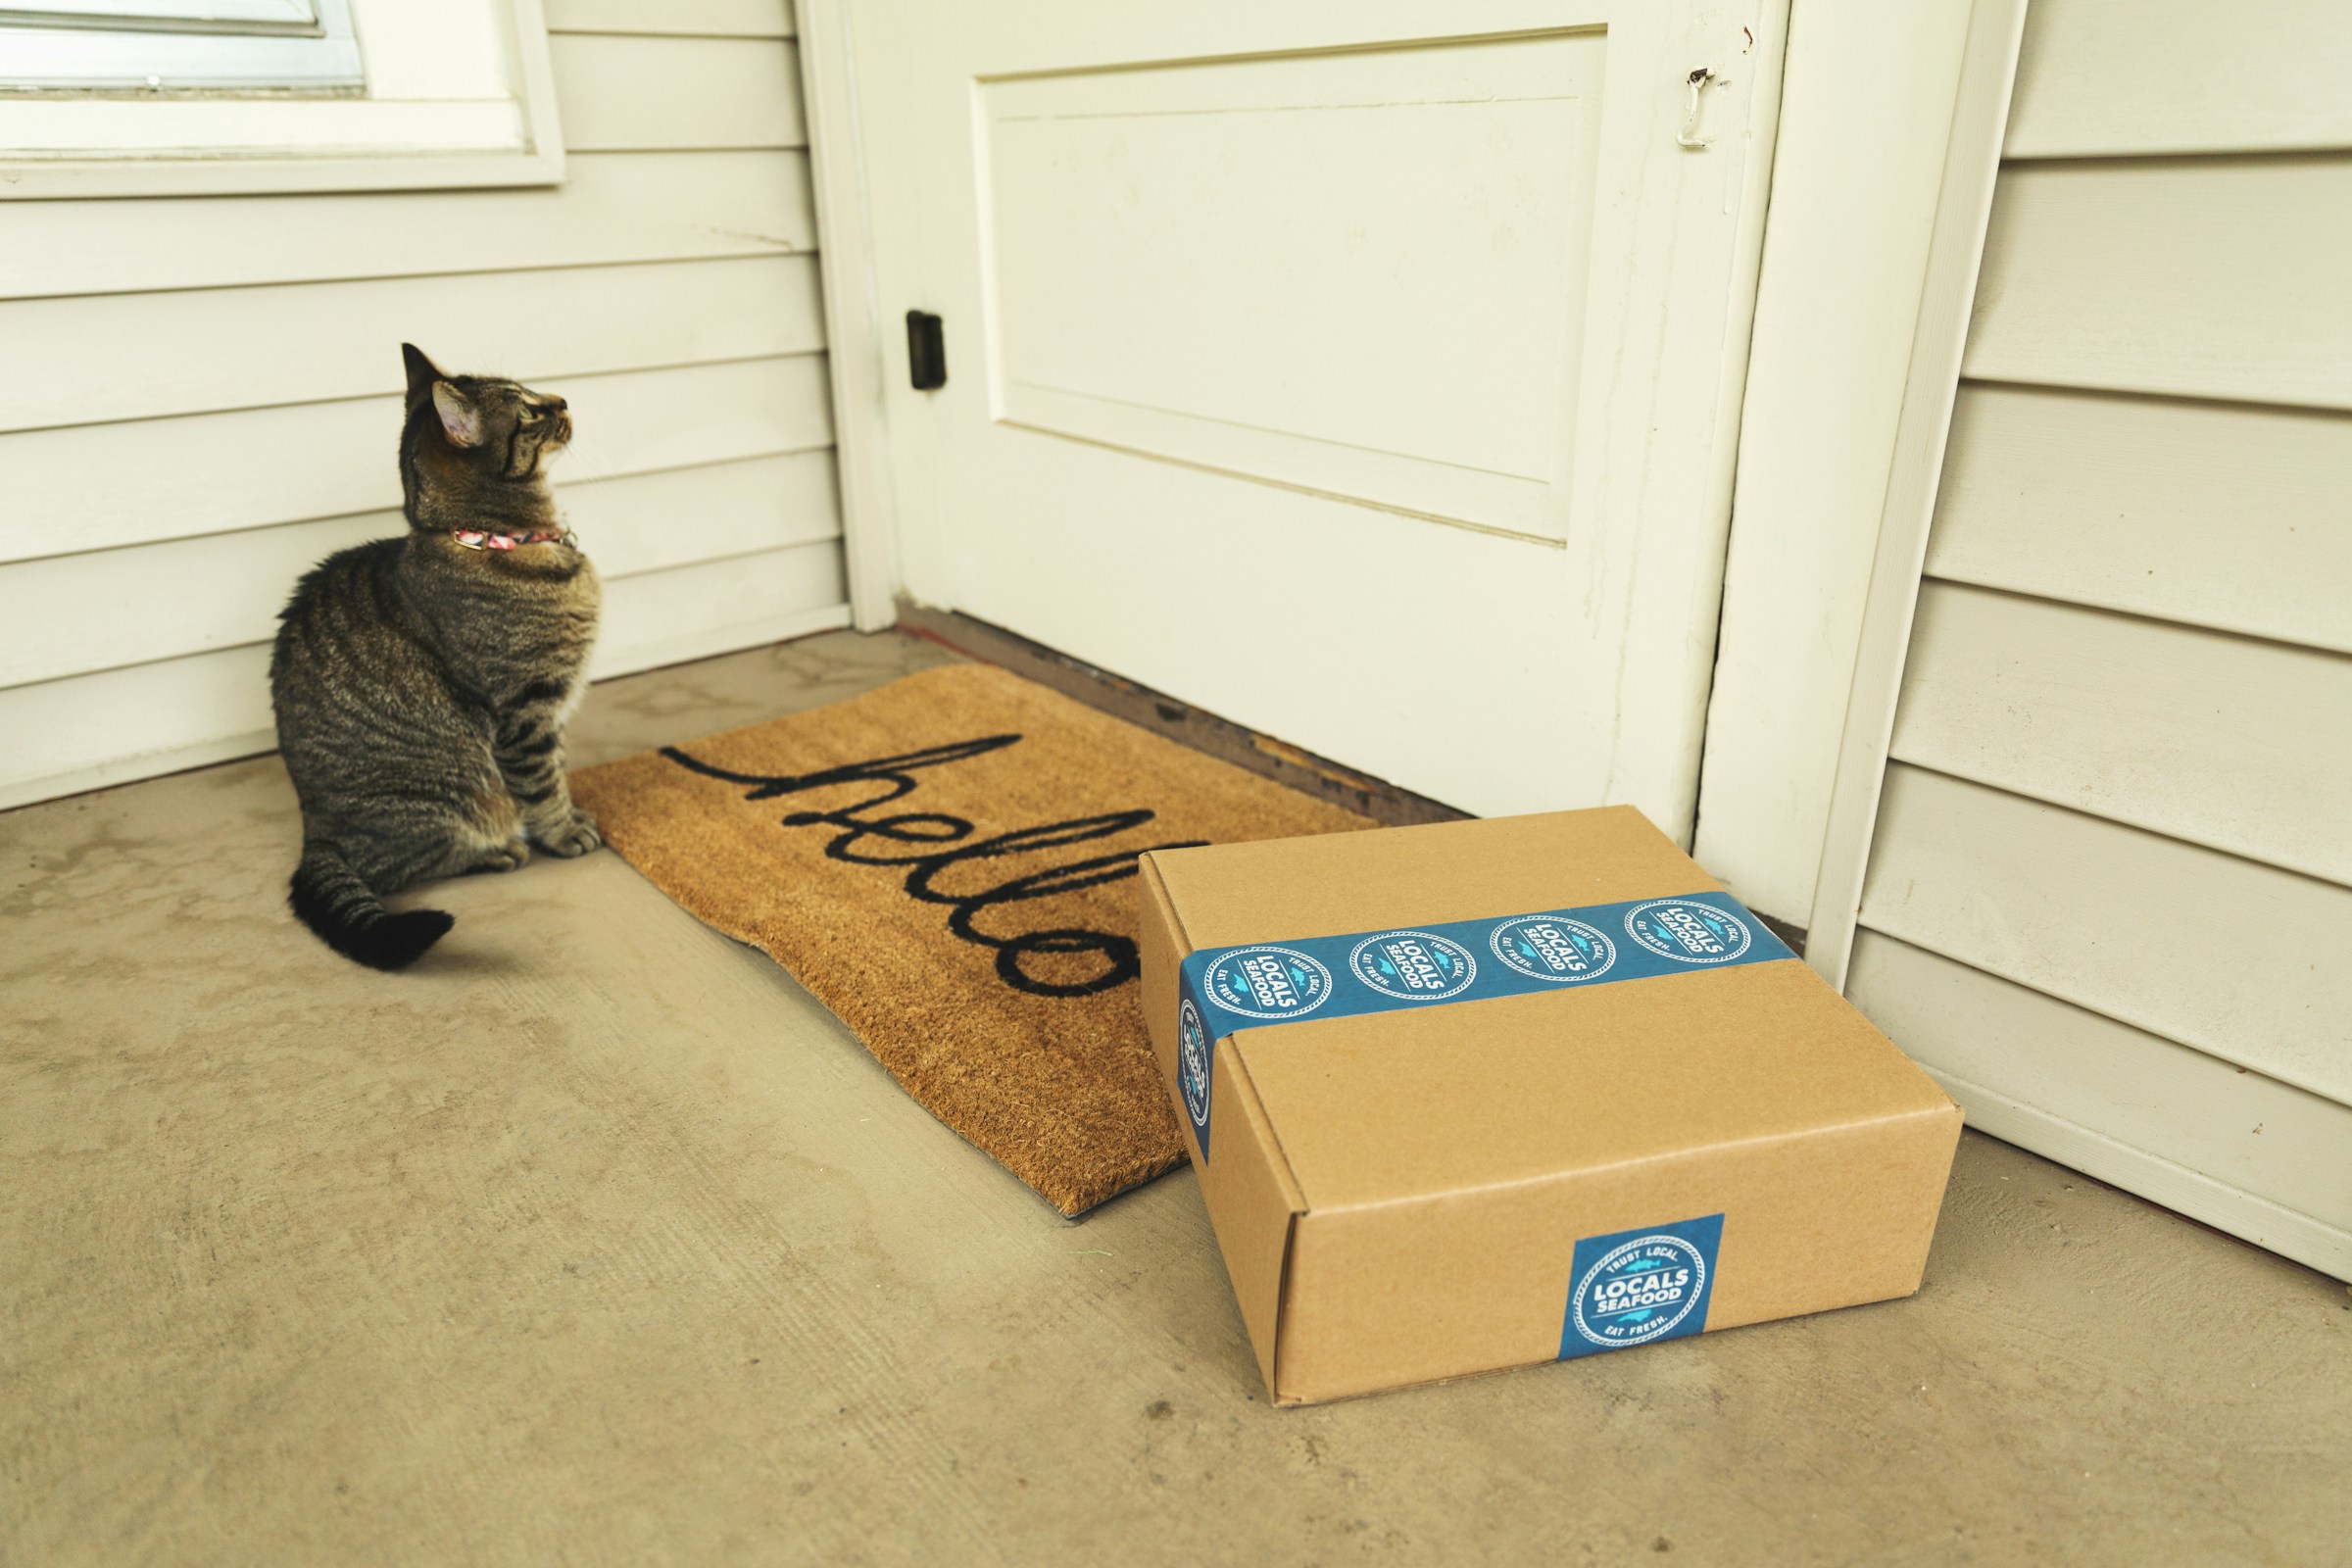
[422, 686]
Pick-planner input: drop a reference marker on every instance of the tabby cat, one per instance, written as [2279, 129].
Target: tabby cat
[422, 683]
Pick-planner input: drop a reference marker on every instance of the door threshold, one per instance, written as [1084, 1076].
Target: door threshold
[1178, 721]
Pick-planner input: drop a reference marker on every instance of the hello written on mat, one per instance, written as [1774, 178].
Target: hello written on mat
[946, 864]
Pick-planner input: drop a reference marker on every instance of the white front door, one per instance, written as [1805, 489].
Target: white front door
[1364, 371]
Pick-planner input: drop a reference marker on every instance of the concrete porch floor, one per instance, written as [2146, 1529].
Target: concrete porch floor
[594, 1240]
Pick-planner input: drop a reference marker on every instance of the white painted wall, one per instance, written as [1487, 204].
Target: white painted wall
[201, 396]
[2109, 880]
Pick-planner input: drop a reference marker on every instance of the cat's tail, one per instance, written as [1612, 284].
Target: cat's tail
[332, 900]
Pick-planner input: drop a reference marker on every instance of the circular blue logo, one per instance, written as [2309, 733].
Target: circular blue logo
[1687, 931]
[1553, 947]
[1638, 1292]
[1267, 983]
[1192, 1062]
[1413, 965]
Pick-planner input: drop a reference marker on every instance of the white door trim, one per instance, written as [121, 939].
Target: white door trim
[1972, 164]
[1891, 130]
[859, 351]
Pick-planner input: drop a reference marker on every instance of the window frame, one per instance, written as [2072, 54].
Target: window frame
[232, 13]
[308, 47]
[451, 94]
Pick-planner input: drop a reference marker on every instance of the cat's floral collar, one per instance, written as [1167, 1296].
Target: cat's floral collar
[483, 539]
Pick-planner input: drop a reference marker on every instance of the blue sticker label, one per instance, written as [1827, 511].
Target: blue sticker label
[1687, 931]
[1270, 983]
[1262, 984]
[1553, 949]
[1641, 1287]
[1193, 1054]
[1413, 965]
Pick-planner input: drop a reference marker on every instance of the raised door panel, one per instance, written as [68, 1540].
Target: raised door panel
[1358, 272]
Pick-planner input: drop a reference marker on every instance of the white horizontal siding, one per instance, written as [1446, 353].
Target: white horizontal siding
[2110, 77]
[204, 350]
[681, 517]
[611, 208]
[2228, 742]
[204, 394]
[2113, 863]
[691, 612]
[2190, 277]
[2279, 1143]
[2218, 1143]
[66, 735]
[735, 19]
[2216, 514]
[633, 94]
[643, 522]
[140, 481]
[2231, 958]
[85, 731]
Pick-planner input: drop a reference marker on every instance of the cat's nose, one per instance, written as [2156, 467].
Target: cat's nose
[557, 403]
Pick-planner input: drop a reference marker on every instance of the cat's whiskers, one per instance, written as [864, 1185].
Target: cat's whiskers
[577, 462]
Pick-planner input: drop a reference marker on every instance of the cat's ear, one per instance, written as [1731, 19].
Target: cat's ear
[461, 421]
[422, 373]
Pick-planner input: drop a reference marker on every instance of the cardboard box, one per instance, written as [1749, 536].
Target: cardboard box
[1491, 1092]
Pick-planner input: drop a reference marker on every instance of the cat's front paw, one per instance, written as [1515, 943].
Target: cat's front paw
[505, 857]
[576, 837]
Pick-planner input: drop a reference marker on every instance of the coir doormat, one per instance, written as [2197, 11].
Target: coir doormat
[947, 863]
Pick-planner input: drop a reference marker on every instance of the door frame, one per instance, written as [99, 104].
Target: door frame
[859, 352]
[1889, 128]
[1890, 134]
[1898, 545]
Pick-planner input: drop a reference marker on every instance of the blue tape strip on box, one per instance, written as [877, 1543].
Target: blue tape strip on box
[1261, 984]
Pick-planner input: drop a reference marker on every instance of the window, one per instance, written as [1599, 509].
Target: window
[179, 46]
[198, 97]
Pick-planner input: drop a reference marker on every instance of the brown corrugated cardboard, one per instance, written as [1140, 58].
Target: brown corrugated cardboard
[1401, 1195]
